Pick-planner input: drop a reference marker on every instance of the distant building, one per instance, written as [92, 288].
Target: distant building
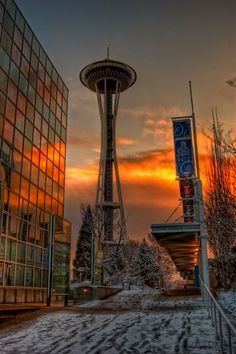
[33, 122]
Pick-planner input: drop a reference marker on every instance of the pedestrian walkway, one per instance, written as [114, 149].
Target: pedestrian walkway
[129, 322]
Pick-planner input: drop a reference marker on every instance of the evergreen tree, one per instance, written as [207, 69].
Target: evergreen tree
[82, 260]
[147, 269]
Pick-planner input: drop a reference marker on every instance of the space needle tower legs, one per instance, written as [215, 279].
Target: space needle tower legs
[108, 78]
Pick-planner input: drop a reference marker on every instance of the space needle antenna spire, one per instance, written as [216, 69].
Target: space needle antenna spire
[108, 78]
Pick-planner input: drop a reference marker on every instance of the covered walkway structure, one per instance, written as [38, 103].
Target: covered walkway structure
[181, 240]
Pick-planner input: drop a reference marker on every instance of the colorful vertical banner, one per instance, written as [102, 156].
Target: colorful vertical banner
[183, 147]
[184, 164]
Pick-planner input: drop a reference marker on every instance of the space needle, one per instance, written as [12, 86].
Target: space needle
[108, 78]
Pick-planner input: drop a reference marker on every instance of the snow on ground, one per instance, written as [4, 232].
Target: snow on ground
[227, 301]
[129, 322]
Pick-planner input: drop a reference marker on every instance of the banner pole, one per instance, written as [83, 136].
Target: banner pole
[194, 131]
[200, 202]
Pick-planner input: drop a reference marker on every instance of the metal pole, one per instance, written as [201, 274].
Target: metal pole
[50, 259]
[203, 235]
[203, 232]
[194, 132]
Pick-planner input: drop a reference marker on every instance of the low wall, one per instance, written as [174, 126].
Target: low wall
[22, 295]
[88, 293]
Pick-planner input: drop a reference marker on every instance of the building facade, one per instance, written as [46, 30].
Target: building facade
[33, 122]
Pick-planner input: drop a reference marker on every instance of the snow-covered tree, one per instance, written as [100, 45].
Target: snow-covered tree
[82, 261]
[147, 269]
[220, 199]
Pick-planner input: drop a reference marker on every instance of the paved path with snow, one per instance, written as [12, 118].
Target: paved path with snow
[129, 322]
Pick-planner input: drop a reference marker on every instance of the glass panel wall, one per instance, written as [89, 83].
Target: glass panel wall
[33, 121]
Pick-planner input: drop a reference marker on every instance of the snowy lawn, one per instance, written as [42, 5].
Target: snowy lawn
[129, 322]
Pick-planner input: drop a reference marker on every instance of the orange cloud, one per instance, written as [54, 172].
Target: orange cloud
[126, 141]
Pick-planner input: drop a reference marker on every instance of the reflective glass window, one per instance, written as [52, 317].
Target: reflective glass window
[31, 233]
[44, 145]
[46, 112]
[13, 203]
[8, 24]
[33, 77]
[12, 91]
[49, 186]
[2, 247]
[24, 190]
[37, 277]
[29, 276]
[11, 250]
[2, 103]
[49, 168]
[26, 168]
[41, 197]
[39, 104]
[18, 39]
[42, 56]
[21, 102]
[51, 136]
[43, 162]
[45, 128]
[10, 111]
[25, 66]
[47, 97]
[5, 60]
[3, 81]
[34, 61]
[26, 50]
[17, 160]
[18, 140]
[20, 271]
[48, 203]
[20, 120]
[55, 174]
[21, 252]
[40, 87]
[38, 120]
[28, 33]
[36, 46]
[42, 180]
[41, 72]
[13, 222]
[20, 20]
[1, 13]
[62, 179]
[6, 42]
[31, 94]
[33, 194]
[14, 73]
[34, 174]
[35, 156]
[30, 111]
[27, 148]
[8, 131]
[23, 84]
[15, 182]
[15, 54]
[28, 129]
[9, 273]
[38, 257]
[11, 8]
[49, 66]
[30, 254]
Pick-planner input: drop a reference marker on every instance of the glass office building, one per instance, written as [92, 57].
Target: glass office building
[33, 120]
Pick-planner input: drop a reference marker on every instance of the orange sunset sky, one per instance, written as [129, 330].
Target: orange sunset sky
[168, 43]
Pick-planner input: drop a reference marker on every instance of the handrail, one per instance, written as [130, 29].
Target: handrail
[233, 329]
[221, 315]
